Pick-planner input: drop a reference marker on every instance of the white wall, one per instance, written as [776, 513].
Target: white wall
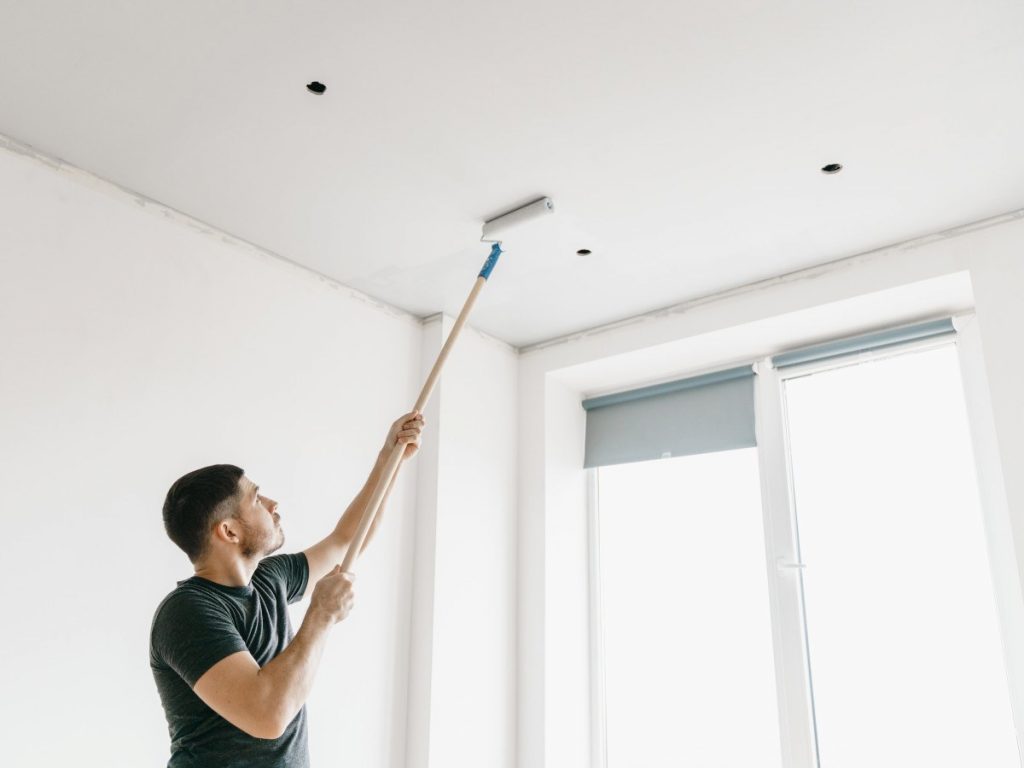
[910, 281]
[462, 695]
[134, 347]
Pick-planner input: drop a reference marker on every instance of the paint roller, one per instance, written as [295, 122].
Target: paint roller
[494, 228]
[493, 232]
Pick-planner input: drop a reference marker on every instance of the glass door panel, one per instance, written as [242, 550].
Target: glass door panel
[905, 655]
[689, 674]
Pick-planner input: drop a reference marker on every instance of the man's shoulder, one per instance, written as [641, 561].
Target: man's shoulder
[187, 592]
[181, 603]
[194, 626]
[167, 612]
[193, 615]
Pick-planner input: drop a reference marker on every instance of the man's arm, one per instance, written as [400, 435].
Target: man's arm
[330, 551]
[262, 702]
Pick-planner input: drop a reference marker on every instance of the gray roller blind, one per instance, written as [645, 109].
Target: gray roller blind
[865, 343]
[702, 414]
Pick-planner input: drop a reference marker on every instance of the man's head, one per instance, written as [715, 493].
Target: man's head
[217, 509]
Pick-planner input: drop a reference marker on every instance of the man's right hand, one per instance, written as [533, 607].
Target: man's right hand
[333, 596]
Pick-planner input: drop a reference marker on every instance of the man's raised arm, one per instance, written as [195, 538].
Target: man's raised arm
[330, 551]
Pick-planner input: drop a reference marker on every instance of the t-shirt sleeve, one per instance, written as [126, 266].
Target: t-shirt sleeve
[291, 571]
[192, 632]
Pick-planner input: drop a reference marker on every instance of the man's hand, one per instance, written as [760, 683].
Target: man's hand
[333, 597]
[405, 431]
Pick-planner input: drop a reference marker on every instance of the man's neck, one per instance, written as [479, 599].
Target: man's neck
[231, 573]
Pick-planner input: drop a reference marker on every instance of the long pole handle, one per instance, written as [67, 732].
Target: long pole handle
[395, 458]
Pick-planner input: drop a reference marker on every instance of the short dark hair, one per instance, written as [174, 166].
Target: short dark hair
[192, 502]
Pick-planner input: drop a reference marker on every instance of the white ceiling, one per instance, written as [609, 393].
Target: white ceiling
[681, 141]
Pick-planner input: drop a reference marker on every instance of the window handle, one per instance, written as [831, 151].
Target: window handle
[783, 565]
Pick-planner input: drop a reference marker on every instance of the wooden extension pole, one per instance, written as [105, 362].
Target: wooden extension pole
[395, 458]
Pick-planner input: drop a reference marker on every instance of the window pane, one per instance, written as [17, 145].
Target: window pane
[905, 653]
[688, 657]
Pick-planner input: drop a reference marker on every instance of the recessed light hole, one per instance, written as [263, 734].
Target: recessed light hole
[583, 252]
[316, 87]
[831, 168]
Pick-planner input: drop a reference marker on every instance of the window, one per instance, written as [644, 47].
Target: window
[860, 630]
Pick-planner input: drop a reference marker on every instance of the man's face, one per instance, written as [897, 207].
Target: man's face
[260, 523]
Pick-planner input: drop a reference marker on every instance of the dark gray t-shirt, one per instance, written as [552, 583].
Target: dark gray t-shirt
[200, 623]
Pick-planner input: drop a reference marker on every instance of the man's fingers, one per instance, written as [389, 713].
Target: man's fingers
[336, 571]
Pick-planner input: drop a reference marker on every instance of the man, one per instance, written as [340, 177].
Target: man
[232, 679]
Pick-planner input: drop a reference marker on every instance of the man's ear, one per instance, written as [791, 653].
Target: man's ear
[226, 531]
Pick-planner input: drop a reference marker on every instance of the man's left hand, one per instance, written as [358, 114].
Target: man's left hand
[405, 431]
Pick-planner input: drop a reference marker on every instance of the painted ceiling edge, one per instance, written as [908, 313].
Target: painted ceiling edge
[155, 207]
[787, 277]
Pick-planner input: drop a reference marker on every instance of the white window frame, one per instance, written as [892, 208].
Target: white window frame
[598, 706]
[782, 553]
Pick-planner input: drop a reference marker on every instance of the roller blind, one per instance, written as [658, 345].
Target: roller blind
[701, 414]
[865, 343]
